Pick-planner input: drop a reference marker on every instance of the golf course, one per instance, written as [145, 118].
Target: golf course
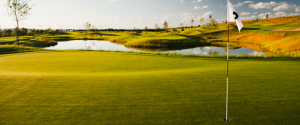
[166, 76]
[90, 87]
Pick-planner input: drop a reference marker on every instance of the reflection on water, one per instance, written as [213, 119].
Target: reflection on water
[106, 45]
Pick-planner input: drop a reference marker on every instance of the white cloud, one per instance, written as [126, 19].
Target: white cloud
[285, 6]
[113, 0]
[291, 14]
[262, 5]
[131, 18]
[221, 5]
[297, 9]
[242, 3]
[166, 17]
[245, 13]
[248, 2]
[280, 14]
[248, 18]
[154, 18]
[91, 13]
[239, 4]
[197, 1]
[140, 18]
[181, 1]
[198, 7]
[184, 14]
[263, 15]
[186, 19]
[117, 18]
[255, 13]
[206, 15]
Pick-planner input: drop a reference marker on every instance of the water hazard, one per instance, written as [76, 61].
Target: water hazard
[106, 45]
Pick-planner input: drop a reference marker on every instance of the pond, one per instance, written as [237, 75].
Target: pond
[106, 45]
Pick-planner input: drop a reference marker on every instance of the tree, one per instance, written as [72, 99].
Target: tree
[166, 25]
[192, 21]
[267, 16]
[210, 17]
[94, 28]
[202, 20]
[181, 24]
[24, 31]
[146, 28]
[213, 23]
[19, 9]
[256, 18]
[156, 26]
[87, 27]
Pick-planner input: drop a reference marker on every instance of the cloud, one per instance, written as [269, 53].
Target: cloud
[291, 14]
[184, 14]
[242, 3]
[206, 15]
[297, 9]
[181, 1]
[186, 19]
[221, 5]
[113, 0]
[239, 4]
[197, 1]
[198, 7]
[255, 13]
[248, 2]
[263, 15]
[285, 6]
[249, 18]
[166, 17]
[280, 14]
[245, 13]
[262, 5]
[117, 18]
[131, 18]
[91, 13]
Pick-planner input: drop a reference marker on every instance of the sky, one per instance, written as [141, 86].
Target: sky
[129, 14]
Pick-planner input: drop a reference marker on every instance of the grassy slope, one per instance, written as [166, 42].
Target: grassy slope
[122, 88]
[255, 35]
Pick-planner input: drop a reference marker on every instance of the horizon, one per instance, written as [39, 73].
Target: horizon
[127, 14]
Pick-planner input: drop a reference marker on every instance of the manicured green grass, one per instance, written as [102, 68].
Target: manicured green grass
[86, 87]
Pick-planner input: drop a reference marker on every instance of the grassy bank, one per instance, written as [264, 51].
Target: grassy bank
[129, 88]
[271, 36]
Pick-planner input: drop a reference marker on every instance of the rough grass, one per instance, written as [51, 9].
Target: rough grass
[128, 88]
[9, 49]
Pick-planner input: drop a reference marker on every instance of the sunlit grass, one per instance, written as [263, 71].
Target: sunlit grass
[88, 87]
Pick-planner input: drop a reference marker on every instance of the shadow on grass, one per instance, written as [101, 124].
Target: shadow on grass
[16, 49]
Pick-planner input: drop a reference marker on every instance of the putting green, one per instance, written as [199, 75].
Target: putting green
[127, 88]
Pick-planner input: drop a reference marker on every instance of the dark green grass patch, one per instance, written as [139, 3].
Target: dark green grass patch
[9, 49]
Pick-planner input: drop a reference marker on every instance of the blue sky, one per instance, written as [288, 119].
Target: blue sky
[128, 14]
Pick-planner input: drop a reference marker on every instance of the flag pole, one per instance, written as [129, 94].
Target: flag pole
[227, 63]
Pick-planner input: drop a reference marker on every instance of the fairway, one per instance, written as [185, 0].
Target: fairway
[88, 87]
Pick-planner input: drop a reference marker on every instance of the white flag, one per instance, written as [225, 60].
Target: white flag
[232, 16]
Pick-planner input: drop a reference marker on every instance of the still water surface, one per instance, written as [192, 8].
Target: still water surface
[106, 45]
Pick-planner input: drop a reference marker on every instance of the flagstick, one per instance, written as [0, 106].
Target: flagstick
[227, 62]
[227, 71]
